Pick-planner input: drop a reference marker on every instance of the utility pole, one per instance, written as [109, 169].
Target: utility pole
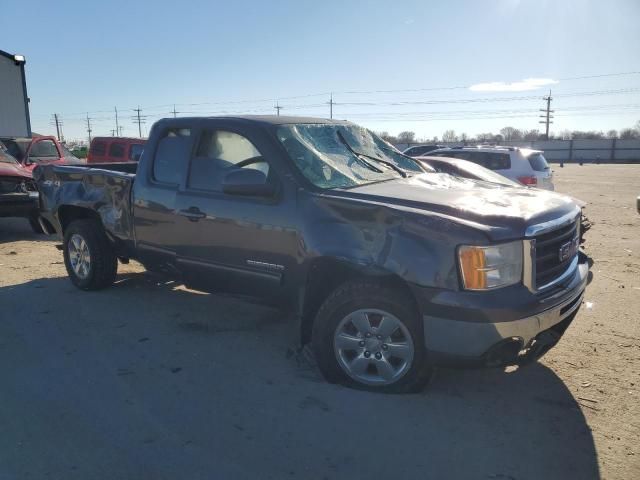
[278, 108]
[138, 120]
[113, 132]
[174, 111]
[55, 117]
[120, 129]
[547, 115]
[89, 127]
[117, 127]
[331, 105]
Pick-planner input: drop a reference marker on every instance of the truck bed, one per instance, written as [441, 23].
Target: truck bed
[101, 188]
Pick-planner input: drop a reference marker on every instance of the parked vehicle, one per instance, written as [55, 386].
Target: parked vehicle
[115, 149]
[529, 167]
[389, 269]
[39, 150]
[419, 150]
[18, 192]
[465, 169]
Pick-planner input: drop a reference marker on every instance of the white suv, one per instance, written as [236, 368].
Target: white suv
[523, 165]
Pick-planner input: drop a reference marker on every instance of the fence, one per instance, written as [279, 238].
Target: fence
[605, 150]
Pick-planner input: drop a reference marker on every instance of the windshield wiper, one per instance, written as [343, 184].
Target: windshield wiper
[357, 155]
[387, 163]
[360, 156]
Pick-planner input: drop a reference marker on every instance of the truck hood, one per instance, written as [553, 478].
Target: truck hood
[483, 203]
[13, 170]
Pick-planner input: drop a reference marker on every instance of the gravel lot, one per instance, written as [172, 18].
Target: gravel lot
[148, 380]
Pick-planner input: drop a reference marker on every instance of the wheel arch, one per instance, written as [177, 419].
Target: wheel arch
[69, 213]
[325, 274]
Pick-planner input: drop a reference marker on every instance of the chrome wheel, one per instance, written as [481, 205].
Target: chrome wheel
[373, 347]
[79, 256]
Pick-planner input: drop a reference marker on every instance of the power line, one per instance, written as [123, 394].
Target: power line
[547, 117]
[117, 127]
[139, 119]
[89, 127]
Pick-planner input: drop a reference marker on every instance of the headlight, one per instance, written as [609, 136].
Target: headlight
[484, 268]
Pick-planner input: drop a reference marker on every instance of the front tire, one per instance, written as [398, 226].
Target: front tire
[370, 337]
[88, 256]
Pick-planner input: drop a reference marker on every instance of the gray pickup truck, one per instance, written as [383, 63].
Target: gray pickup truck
[390, 267]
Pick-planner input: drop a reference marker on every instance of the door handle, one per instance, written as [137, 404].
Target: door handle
[193, 214]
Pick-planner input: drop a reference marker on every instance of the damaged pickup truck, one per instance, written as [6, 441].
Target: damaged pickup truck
[390, 267]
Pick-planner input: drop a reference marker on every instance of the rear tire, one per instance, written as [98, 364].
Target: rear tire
[88, 256]
[370, 337]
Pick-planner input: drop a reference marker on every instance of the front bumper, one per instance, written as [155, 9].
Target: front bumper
[18, 204]
[486, 338]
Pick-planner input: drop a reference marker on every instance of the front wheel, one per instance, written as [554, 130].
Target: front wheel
[369, 336]
[88, 256]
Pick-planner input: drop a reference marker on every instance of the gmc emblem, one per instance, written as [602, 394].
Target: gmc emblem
[568, 250]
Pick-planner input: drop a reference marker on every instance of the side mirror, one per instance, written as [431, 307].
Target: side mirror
[247, 181]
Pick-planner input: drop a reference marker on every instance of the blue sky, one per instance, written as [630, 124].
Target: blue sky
[241, 57]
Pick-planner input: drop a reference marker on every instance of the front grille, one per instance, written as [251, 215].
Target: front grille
[16, 185]
[549, 265]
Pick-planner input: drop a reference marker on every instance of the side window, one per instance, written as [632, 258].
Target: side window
[217, 153]
[172, 156]
[116, 150]
[135, 151]
[43, 148]
[498, 161]
[462, 155]
[98, 148]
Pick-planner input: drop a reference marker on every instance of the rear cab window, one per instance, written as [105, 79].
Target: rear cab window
[116, 150]
[172, 155]
[135, 150]
[98, 149]
[538, 162]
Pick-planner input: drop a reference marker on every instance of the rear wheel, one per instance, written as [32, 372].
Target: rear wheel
[368, 336]
[88, 256]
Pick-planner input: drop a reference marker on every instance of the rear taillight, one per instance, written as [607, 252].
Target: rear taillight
[528, 180]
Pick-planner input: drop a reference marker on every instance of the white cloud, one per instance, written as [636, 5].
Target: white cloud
[521, 86]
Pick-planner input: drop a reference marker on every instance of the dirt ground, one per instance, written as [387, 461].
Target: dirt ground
[149, 380]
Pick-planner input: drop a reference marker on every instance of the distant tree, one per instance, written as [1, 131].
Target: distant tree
[388, 138]
[464, 137]
[629, 134]
[531, 134]
[590, 135]
[406, 137]
[486, 137]
[434, 139]
[612, 134]
[449, 136]
[510, 133]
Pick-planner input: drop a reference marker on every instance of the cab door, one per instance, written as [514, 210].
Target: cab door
[156, 222]
[234, 242]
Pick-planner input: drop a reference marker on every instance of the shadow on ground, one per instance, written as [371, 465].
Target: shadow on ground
[144, 380]
[15, 229]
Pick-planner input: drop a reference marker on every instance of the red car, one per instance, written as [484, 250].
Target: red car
[18, 193]
[39, 150]
[115, 149]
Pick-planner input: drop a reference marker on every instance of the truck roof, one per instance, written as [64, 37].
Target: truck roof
[267, 119]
